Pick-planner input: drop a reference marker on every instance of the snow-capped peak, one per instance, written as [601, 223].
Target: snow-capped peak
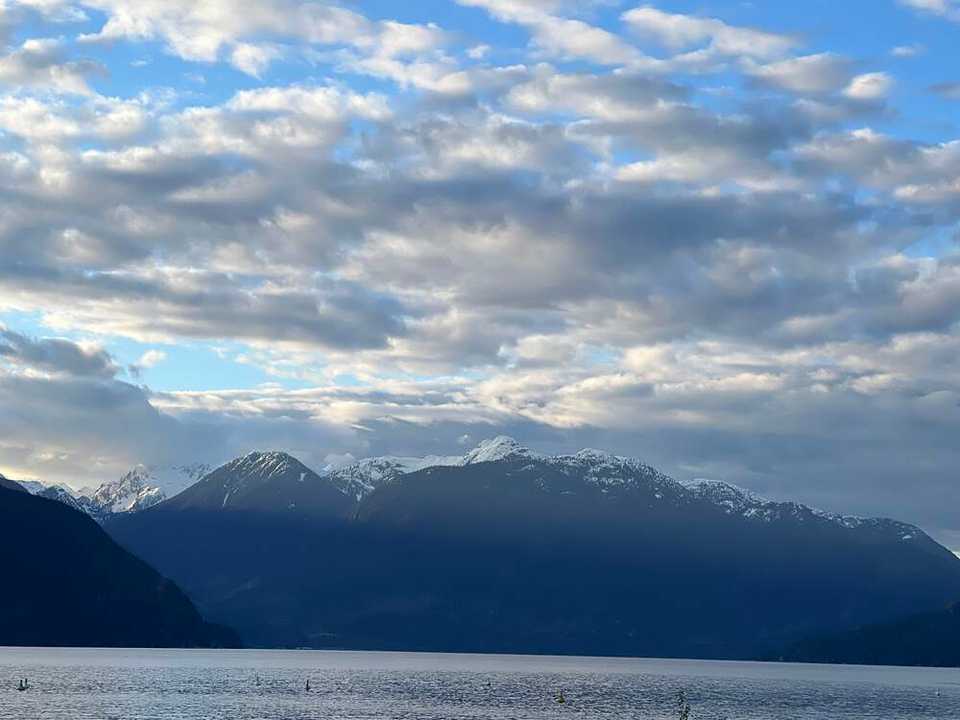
[497, 449]
[736, 500]
[591, 454]
[130, 493]
[264, 464]
[727, 495]
[361, 478]
[31, 486]
[142, 487]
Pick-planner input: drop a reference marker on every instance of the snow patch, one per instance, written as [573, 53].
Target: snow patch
[495, 450]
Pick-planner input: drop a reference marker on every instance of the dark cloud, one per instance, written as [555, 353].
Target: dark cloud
[55, 355]
[210, 305]
[948, 90]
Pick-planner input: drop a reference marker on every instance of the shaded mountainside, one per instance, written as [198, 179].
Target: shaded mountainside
[928, 639]
[66, 583]
[508, 550]
[10, 485]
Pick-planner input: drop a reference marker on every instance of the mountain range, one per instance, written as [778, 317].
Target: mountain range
[67, 583]
[140, 488]
[507, 550]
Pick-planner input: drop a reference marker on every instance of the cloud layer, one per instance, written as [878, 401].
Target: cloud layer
[684, 237]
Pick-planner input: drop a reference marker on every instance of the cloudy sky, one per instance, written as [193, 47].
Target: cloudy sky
[718, 235]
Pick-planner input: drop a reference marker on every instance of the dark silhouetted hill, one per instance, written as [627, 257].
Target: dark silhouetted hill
[67, 583]
[928, 639]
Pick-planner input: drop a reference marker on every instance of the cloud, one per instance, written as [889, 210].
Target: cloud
[55, 355]
[49, 120]
[561, 37]
[870, 86]
[947, 90]
[148, 360]
[707, 256]
[341, 315]
[949, 9]
[809, 74]
[253, 39]
[907, 51]
[615, 97]
[916, 174]
[681, 32]
[253, 59]
[41, 63]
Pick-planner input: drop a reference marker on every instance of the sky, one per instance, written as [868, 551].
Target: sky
[719, 236]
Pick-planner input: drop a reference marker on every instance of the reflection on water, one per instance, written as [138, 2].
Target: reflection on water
[270, 685]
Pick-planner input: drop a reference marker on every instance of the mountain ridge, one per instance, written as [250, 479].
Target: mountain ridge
[508, 550]
[134, 492]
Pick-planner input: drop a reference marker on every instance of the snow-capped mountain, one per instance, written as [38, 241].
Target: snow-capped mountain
[359, 479]
[61, 494]
[140, 488]
[736, 500]
[611, 474]
[68, 498]
[509, 550]
[498, 449]
[265, 482]
[32, 486]
[145, 486]
[130, 493]
[362, 478]
[276, 479]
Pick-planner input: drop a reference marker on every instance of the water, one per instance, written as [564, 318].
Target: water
[223, 685]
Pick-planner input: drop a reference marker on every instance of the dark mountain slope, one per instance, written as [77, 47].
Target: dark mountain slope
[928, 639]
[512, 551]
[6, 484]
[641, 566]
[66, 583]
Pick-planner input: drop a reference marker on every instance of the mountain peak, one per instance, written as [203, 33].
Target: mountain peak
[266, 463]
[265, 482]
[361, 478]
[597, 455]
[130, 493]
[496, 449]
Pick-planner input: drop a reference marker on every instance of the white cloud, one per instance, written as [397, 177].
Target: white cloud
[215, 30]
[151, 358]
[949, 9]
[253, 59]
[907, 51]
[679, 32]
[478, 52]
[561, 37]
[41, 63]
[821, 73]
[871, 86]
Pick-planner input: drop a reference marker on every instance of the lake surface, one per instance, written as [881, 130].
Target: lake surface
[271, 685]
